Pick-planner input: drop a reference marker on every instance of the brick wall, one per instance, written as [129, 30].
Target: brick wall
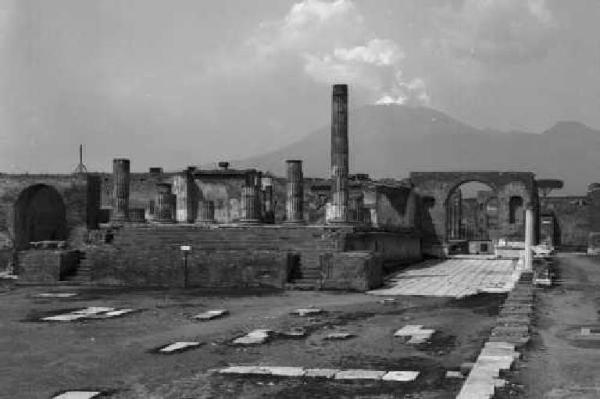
[573, 217]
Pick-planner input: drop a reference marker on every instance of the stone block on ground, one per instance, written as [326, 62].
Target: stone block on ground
[400, 376]
[454, 374]
[339, 336]
[307, 312]
[408, 330]
[359, 375]
[78, 395]
[320, 373]
[254, 337]
[294, 332]
[243, 370]
[286, 371]
[211, 314]
[56, 295]
[179, 346]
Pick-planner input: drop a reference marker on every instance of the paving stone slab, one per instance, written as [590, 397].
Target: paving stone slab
[400, 376]
[320, 373]
[56, 295]
[359, 375]
[307, 312]
[286, 371]
[339, 336]
[254, 337]
[245, 370]
[64, 317]
[408, 330]
[179, 346]
[78, 395]
[454, 374]
[295, 332]
[211, 314]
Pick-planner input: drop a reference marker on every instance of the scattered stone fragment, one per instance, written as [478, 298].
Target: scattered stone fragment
[400, 376]
[386, 301]
[93, 310]
[339, 336]
[454, 374]
[286, 371]
[77, 395]
[417, 334]
[307, 311]
[295, 332]
[254, 337]
[251, 370]
[358, 374]
[320, 373]
[178, 346]
[56, 295]
[407, 331]
[64, 317]
[211, 314]
[586, 331]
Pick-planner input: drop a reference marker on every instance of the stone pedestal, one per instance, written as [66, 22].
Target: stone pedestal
[294, 205]
[249, 205]
[120, 211]
[339, 155]
[164, 204]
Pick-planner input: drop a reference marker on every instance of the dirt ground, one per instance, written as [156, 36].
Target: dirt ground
[39, 359]
[560, 363]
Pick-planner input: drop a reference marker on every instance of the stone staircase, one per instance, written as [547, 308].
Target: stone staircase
[304, 277]
[82, 275]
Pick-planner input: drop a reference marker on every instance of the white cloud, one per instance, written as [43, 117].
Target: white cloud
[332, 43]
[495, 31]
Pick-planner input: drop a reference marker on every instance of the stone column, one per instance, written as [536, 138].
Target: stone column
[339, 155]
[184, 193]
[206, 212]
[120, 211]
[249, 205]
[528, 261]
[268, 205]
[163, 206]
[294, 204]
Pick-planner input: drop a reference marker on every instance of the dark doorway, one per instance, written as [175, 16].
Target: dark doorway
[39, 215]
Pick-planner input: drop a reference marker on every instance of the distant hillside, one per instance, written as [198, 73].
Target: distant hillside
[391, 141]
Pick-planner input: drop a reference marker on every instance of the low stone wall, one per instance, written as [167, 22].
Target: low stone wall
[395, 248]
[360, 271]
[237, 256]
[39, 265]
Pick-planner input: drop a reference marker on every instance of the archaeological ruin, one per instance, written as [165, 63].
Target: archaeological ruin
[247, 228]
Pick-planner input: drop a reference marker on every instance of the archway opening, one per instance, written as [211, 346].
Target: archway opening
[40, 215]
[471, 214]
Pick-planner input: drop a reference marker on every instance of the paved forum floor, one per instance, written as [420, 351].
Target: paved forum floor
[453, 278]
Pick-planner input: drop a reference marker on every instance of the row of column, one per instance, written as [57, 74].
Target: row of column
[253, 208]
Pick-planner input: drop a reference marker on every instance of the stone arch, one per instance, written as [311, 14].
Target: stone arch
[438, 185]
[39, 215]
[453, 216]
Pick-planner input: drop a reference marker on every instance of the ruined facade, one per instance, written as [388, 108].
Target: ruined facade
[247, 228]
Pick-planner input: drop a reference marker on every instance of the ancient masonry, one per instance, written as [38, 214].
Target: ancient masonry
[249, 228]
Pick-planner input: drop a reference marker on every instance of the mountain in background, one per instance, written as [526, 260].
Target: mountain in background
[393, 140]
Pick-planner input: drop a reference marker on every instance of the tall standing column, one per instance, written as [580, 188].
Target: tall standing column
[249, 205]
[120, 211]
[528, 238]
[164, 204]
[294, 204]
[339, 155]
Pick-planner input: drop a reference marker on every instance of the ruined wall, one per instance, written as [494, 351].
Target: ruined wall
[78, 193]
[573, 222]
[394, 248]
[359, 271]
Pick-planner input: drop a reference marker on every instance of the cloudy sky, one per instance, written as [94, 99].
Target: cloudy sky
[178, 82]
